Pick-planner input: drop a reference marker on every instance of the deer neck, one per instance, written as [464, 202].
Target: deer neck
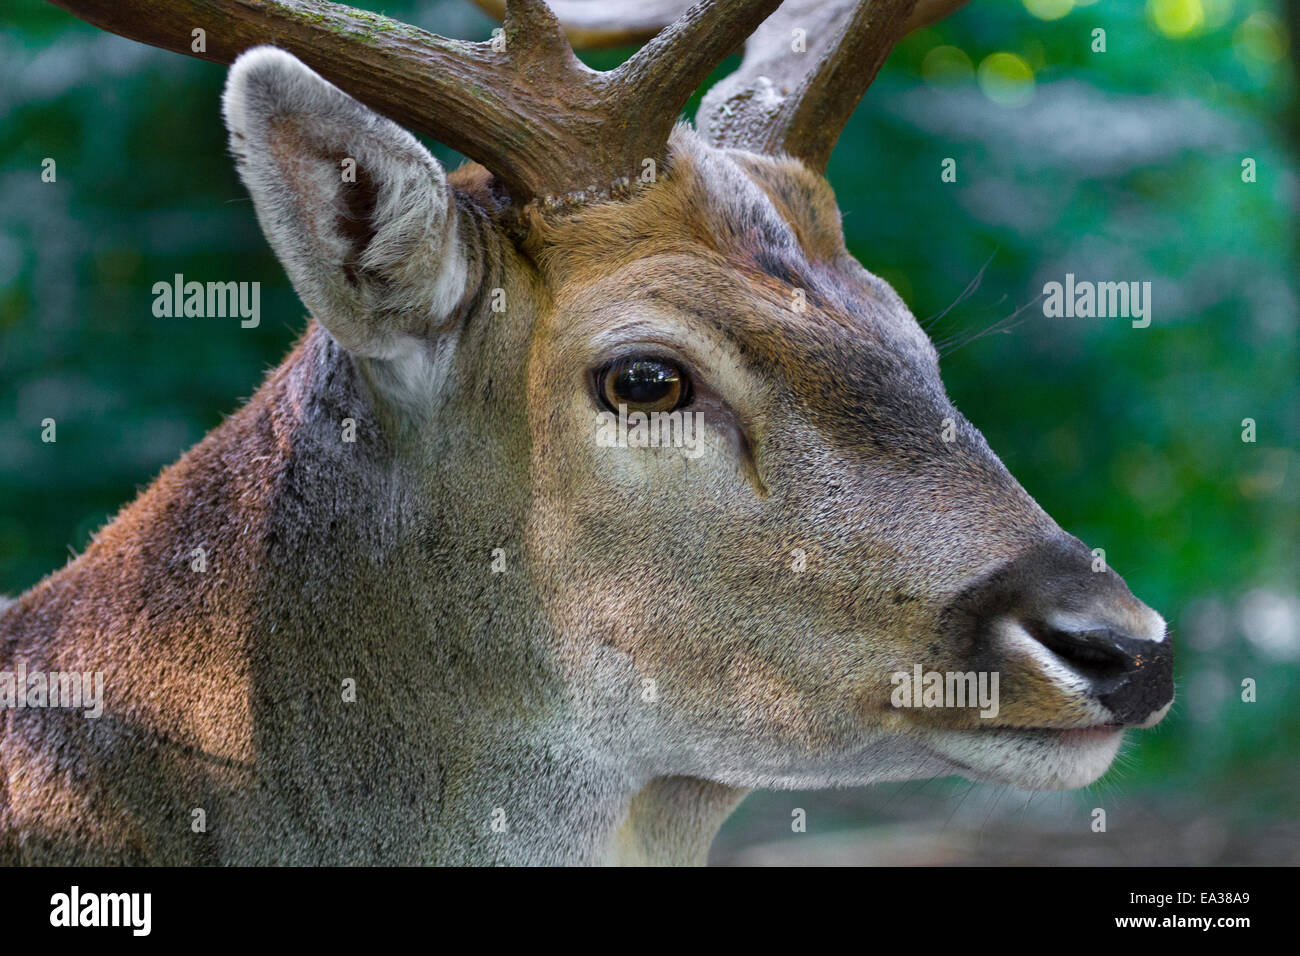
[360, 642]
[672, 821]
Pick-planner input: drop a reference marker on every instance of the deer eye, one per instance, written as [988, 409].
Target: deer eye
[643, 385]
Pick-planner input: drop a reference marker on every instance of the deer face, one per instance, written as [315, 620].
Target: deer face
[739, 604]
[822, 536]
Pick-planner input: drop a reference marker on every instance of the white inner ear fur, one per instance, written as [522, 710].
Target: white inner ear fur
[382, 287]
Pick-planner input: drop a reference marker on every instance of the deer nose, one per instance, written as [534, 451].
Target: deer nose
[1062, 606]
[1131, 676]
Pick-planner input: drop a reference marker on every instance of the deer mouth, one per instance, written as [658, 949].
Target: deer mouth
[1032, 758]
[1083, 735]
[1069, 734]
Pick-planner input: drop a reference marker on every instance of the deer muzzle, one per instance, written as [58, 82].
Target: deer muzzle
[1063, 609]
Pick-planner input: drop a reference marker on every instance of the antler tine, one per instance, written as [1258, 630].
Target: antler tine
[655, 83]
[781, 100]
[531, 27]
[807, 120]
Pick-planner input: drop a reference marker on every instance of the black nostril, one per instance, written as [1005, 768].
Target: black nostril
[1131, 677]
[1100, 655]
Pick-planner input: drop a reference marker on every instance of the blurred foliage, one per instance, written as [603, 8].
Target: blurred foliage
[1117, 165]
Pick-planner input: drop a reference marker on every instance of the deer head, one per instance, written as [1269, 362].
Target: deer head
[611, 644]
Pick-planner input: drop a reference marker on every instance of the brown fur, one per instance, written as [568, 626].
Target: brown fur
[524, 691]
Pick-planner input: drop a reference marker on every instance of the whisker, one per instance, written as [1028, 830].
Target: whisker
[969, 791]
[1003, 326]
[966, 293]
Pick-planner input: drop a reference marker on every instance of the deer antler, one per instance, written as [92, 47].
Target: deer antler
[780, 99]
[529, 111]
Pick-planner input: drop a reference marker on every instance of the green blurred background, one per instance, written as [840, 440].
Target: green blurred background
[1117, 165]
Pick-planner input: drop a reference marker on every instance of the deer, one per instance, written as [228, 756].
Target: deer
[472, 635]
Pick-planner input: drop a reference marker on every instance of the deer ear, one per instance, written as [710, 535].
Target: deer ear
[358, 212]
